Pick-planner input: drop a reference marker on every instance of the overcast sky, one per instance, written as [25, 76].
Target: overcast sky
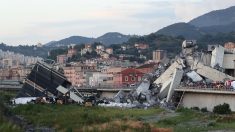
[33, 21]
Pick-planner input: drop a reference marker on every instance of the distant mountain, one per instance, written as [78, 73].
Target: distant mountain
[206, 28]
[218, 29]
[51, 42]
[70, 40]
[181, 29]
[106, 39]
[219, 21]
[218, 17]
[112, 38]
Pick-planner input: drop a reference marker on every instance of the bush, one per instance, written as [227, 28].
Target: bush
[222, 109]
[211, 124]
[195, 108]
[204, 109]
[167, 122]
[183, 109]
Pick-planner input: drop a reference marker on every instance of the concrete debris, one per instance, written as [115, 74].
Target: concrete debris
[120, 105]
[144, 96]
[211, 73]
[143, 88]
[217, 56]
[188, 47]
[165, 88]
[73, 94]
[120, 97]
[166, 105]
[189, 69]
[23, 100]
[178, 74]
[194, 76]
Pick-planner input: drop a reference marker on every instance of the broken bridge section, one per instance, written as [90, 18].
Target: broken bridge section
[190, 71]
[43, 81]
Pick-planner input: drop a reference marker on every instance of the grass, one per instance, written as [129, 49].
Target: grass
[9, 127]
[5, 125]
[6, 96]
[76, 117]
[194, 121]
[79, 118]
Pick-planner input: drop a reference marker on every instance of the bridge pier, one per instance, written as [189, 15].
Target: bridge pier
[207, 99]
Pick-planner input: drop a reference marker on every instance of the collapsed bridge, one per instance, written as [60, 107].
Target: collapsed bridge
[189, 69]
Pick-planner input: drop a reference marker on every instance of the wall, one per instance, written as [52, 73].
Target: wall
[101, 79]
[206, 59]
[229, 61]
[114, 70]
[131, 76]
[72, 75]
[207, 100]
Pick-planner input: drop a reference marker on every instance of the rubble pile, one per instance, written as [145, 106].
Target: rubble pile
[144, 96]
[189, 70]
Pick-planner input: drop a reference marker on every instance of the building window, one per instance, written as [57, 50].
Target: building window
[132, 78]
[126, 78]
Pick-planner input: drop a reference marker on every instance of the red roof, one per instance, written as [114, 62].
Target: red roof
[131, 70]
[151, 65]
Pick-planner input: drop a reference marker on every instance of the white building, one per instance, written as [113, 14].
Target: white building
[101, 79]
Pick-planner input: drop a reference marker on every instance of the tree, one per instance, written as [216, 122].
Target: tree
[222, 109]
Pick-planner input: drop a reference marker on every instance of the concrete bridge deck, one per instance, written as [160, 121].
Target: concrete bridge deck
[104, 92]
[10, 87]
[206, 90]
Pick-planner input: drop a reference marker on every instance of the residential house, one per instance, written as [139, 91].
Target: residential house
[104, 55]
[101, 79]
[109, 50]
[100, 47]
[62, 59]
[147, 68]
[229, 45]
[127, 77]
[86, 72]
[71, 52]
[141, 46]
[39, 45]
[88, 48]
[115, 70]
[16, 73]
[124, 47]
[160, 56]
[72, 75]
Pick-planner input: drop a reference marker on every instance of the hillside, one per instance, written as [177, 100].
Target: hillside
[70, 40]
[219, 29]
[181, 29]
[112, 38]
[106, 39]
[219, 21]
[218, 17]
